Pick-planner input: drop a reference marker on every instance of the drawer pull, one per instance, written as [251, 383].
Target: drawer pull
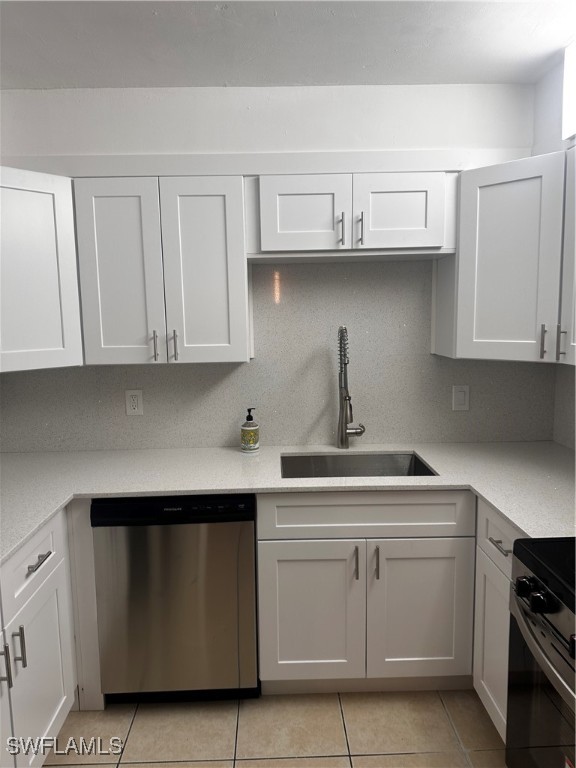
[22, 637]
[498, 544]
[356, 563]
[8, 678]
[41, 559]
[377, 563]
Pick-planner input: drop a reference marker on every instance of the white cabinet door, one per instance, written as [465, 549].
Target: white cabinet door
[7, 761]
[491, 627]
[121, 277]
[205, 272]
[312, 609]
[419, 607]
[40, 316]
[43, 691]
[566, 342]
[306, 212]
[399, 210]
[510, 244]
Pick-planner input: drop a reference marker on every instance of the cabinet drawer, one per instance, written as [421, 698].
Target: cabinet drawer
[496, 536]
[380, 514]
[17, 583]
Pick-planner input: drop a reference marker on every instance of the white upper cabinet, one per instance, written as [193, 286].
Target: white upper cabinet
[162, 269]
[351, 211]
[498, 300]
[399, 210]
[566, 337]
[306, 212]
[205, 270]
[40, 316]
[121, 277]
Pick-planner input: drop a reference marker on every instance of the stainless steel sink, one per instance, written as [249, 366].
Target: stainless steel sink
[354, 465]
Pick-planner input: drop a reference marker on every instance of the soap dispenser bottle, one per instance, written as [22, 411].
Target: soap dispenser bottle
[250, 434]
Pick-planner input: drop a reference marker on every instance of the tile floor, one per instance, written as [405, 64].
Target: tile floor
[445, 729]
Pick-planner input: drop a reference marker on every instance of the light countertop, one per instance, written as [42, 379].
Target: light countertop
[531, 484]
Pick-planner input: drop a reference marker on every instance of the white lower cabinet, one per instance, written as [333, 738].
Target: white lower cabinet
[342, 608]
[491, 639]
[419, 607]
[39, 637]
[312, 603]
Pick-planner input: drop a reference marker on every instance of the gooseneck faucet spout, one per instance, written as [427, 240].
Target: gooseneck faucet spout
[345, 417]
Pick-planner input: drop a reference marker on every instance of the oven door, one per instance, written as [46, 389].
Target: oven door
[541, 705]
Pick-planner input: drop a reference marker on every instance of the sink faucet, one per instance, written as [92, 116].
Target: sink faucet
[345, 417]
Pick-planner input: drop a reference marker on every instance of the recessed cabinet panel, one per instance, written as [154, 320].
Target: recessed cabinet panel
[305, 212]
[206, 311]
[399, 210]
[509, 259]
[566, 343]
[121, 280]
[40, 317]
[491, 629]
[419, 607]
[507, 253]
[205, 270]
[312, 609]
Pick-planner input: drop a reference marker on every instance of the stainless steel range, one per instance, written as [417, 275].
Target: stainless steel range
[541, 676]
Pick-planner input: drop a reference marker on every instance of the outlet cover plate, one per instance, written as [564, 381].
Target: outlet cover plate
[461, 397]
[134, 402]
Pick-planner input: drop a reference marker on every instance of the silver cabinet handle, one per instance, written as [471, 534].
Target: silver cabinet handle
[362, 228]
[343, 230]
[22, 637]
[155, 344]
[8, 677]
[498, 544]
[559, 334]
[41, 560]
[543, 333]
[378, 563]
[175, 345]
[356, 563]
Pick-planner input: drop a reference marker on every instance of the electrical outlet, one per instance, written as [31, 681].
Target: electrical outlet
[134, 402]
[461, 397]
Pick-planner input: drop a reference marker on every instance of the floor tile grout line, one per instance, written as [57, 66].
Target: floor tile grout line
[237, 730]
[345, 731]
[127, 735]
[453, 724]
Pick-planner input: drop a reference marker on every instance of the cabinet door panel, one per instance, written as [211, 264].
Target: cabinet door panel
[399, 210]
[312, 609]
[305, 212]
[40, 316]
[510, 241]
[420, 602]
[121, 278]
[567, 341]
[43, 691]
[5, 714]
[205, 269]
[491, 635]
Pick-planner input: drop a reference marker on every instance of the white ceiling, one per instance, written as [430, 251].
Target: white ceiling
[142, 44]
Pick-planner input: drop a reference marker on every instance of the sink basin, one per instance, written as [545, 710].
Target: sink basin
[354, 465]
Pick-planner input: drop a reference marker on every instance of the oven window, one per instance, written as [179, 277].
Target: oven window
[540, 726]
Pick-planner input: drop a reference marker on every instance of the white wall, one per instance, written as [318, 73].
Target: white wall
[228, 120]
[548, 113]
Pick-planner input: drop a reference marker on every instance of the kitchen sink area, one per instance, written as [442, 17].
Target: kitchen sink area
[407, 464]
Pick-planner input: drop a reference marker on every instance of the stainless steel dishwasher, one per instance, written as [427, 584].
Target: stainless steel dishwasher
[176, 594]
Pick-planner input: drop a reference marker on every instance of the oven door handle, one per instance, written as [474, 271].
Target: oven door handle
[562, 688]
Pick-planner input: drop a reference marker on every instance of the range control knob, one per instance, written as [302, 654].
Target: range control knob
[542, 602]
[525, 586]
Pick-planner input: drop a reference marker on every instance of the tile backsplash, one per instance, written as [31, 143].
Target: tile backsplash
[399, 390]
